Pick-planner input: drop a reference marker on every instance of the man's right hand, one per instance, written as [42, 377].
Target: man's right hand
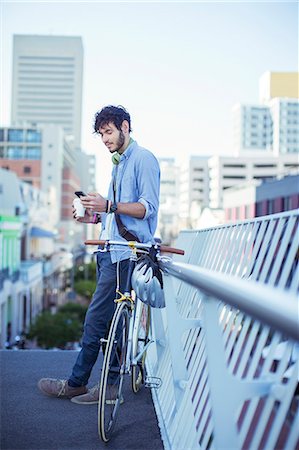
[88, 216]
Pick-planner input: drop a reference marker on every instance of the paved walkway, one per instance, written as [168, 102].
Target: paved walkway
[32, 421]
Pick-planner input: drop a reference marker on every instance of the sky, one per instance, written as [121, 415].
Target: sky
[178, 67]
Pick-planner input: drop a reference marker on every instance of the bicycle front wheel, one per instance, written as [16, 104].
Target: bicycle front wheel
[140, 340]
[111, 383]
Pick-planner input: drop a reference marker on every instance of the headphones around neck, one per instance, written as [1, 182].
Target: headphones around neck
[115, 158]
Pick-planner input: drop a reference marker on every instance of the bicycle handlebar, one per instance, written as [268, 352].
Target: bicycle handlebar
[162, 248]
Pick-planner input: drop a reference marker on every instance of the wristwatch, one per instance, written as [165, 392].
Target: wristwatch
[113, 207]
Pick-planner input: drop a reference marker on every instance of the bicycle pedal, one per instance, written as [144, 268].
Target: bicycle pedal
[153, 382]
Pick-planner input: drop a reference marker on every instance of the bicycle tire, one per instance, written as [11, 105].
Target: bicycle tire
[140, 339]
[115, 353]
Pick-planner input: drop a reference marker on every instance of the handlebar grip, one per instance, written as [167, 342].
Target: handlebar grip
[166, 249]
[95, 242]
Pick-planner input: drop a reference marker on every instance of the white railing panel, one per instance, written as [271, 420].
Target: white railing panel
[224, 374]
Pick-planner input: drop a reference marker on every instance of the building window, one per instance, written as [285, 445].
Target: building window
[1, 135]
[286, 203]
[234, 166]
[27, 169]
[233, 177]
[1, 152]
[15, 135]
[33, 136]
[33, 153]
[270, 206]
[263, 166]
[15, 153]
[259, 209]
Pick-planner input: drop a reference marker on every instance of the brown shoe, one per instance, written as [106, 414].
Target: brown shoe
[59, 388]
[92, 396]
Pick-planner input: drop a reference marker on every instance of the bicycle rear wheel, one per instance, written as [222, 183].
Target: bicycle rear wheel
[140, 339]
[111, 383]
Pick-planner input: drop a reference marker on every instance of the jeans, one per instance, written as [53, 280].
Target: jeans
[98, 316]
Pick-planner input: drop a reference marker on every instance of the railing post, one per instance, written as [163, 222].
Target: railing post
[177, 325]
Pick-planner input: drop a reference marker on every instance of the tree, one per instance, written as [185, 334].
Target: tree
[55, 330]
[85, 288]
[74, 311]
[85, 280]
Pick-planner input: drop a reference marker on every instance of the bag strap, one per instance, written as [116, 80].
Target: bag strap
[123, 231]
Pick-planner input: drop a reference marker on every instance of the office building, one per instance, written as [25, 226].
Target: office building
[44, 157]
[47, 82]
[194, 187]
[253, 129]
[278, 85]
[271, 127]
[285, 117]
[226, 172]
[260, 198]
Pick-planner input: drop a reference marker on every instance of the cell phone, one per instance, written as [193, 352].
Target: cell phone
[80, 194]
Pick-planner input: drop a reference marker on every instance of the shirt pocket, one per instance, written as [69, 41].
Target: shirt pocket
[128, 189]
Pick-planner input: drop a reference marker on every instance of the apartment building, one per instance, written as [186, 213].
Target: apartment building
[285, 116]
[194, 187]
[226, 172]
[270, 127]
[45, 158]
[40, 156]
[278, 85]
[252, 129]
[21, 282]
[260, 198]
[47, 82]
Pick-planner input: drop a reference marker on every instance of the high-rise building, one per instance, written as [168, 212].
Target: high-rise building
[47, 82]
[252, 129]
[270, 127]
[278, 85]
[285, 116]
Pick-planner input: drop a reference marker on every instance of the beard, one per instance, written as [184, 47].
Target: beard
[120, 141]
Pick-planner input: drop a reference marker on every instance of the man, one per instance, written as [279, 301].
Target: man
[134, 198]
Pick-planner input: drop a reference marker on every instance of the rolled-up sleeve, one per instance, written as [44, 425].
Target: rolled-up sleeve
[148, 183]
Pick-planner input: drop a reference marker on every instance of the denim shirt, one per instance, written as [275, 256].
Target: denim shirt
[137, 179]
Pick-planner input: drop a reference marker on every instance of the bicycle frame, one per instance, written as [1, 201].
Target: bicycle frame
[132, 343]
[133, 330]
[134, 306]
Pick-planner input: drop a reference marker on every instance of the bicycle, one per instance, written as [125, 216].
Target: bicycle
[127, 342]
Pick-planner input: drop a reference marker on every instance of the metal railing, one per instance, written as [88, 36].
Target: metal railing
[225, 345]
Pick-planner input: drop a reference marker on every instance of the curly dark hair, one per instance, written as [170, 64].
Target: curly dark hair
[114, 114]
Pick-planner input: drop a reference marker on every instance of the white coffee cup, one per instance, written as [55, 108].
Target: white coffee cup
[80, 210]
